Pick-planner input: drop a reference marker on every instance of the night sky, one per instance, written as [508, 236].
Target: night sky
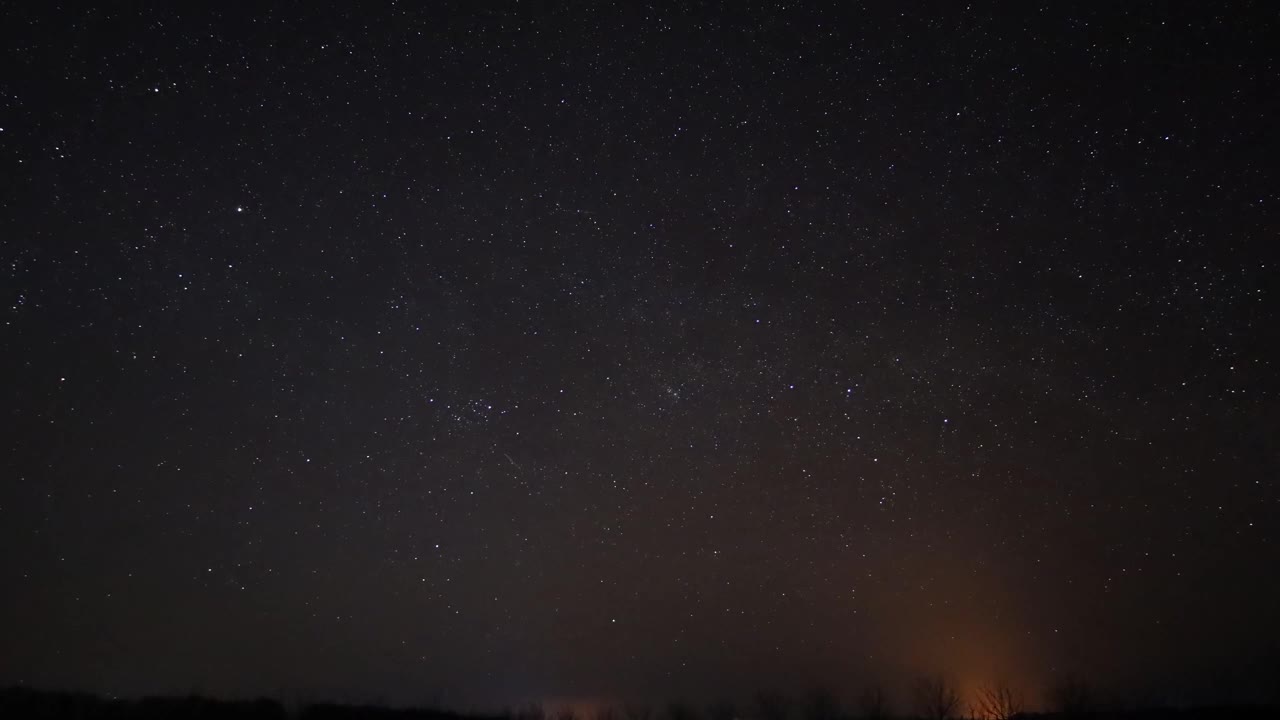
[439, 353]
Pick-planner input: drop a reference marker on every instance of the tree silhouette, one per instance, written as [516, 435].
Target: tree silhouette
[681, 711]
[532, 711]
[723, 710]
[772, 706]
[634, 711]
[873, 703]
[822, 705]
[1071, 697]
[935, 698]
[997, 701]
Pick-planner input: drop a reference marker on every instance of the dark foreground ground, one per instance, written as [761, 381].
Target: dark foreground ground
[22, 703]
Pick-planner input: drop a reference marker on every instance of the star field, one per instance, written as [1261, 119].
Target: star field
[479, 355]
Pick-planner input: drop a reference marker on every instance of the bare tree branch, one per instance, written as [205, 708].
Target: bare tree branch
[997, 701]
[873, 703]
[936, 698]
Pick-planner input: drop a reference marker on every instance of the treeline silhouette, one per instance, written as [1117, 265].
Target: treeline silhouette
[932, 698]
